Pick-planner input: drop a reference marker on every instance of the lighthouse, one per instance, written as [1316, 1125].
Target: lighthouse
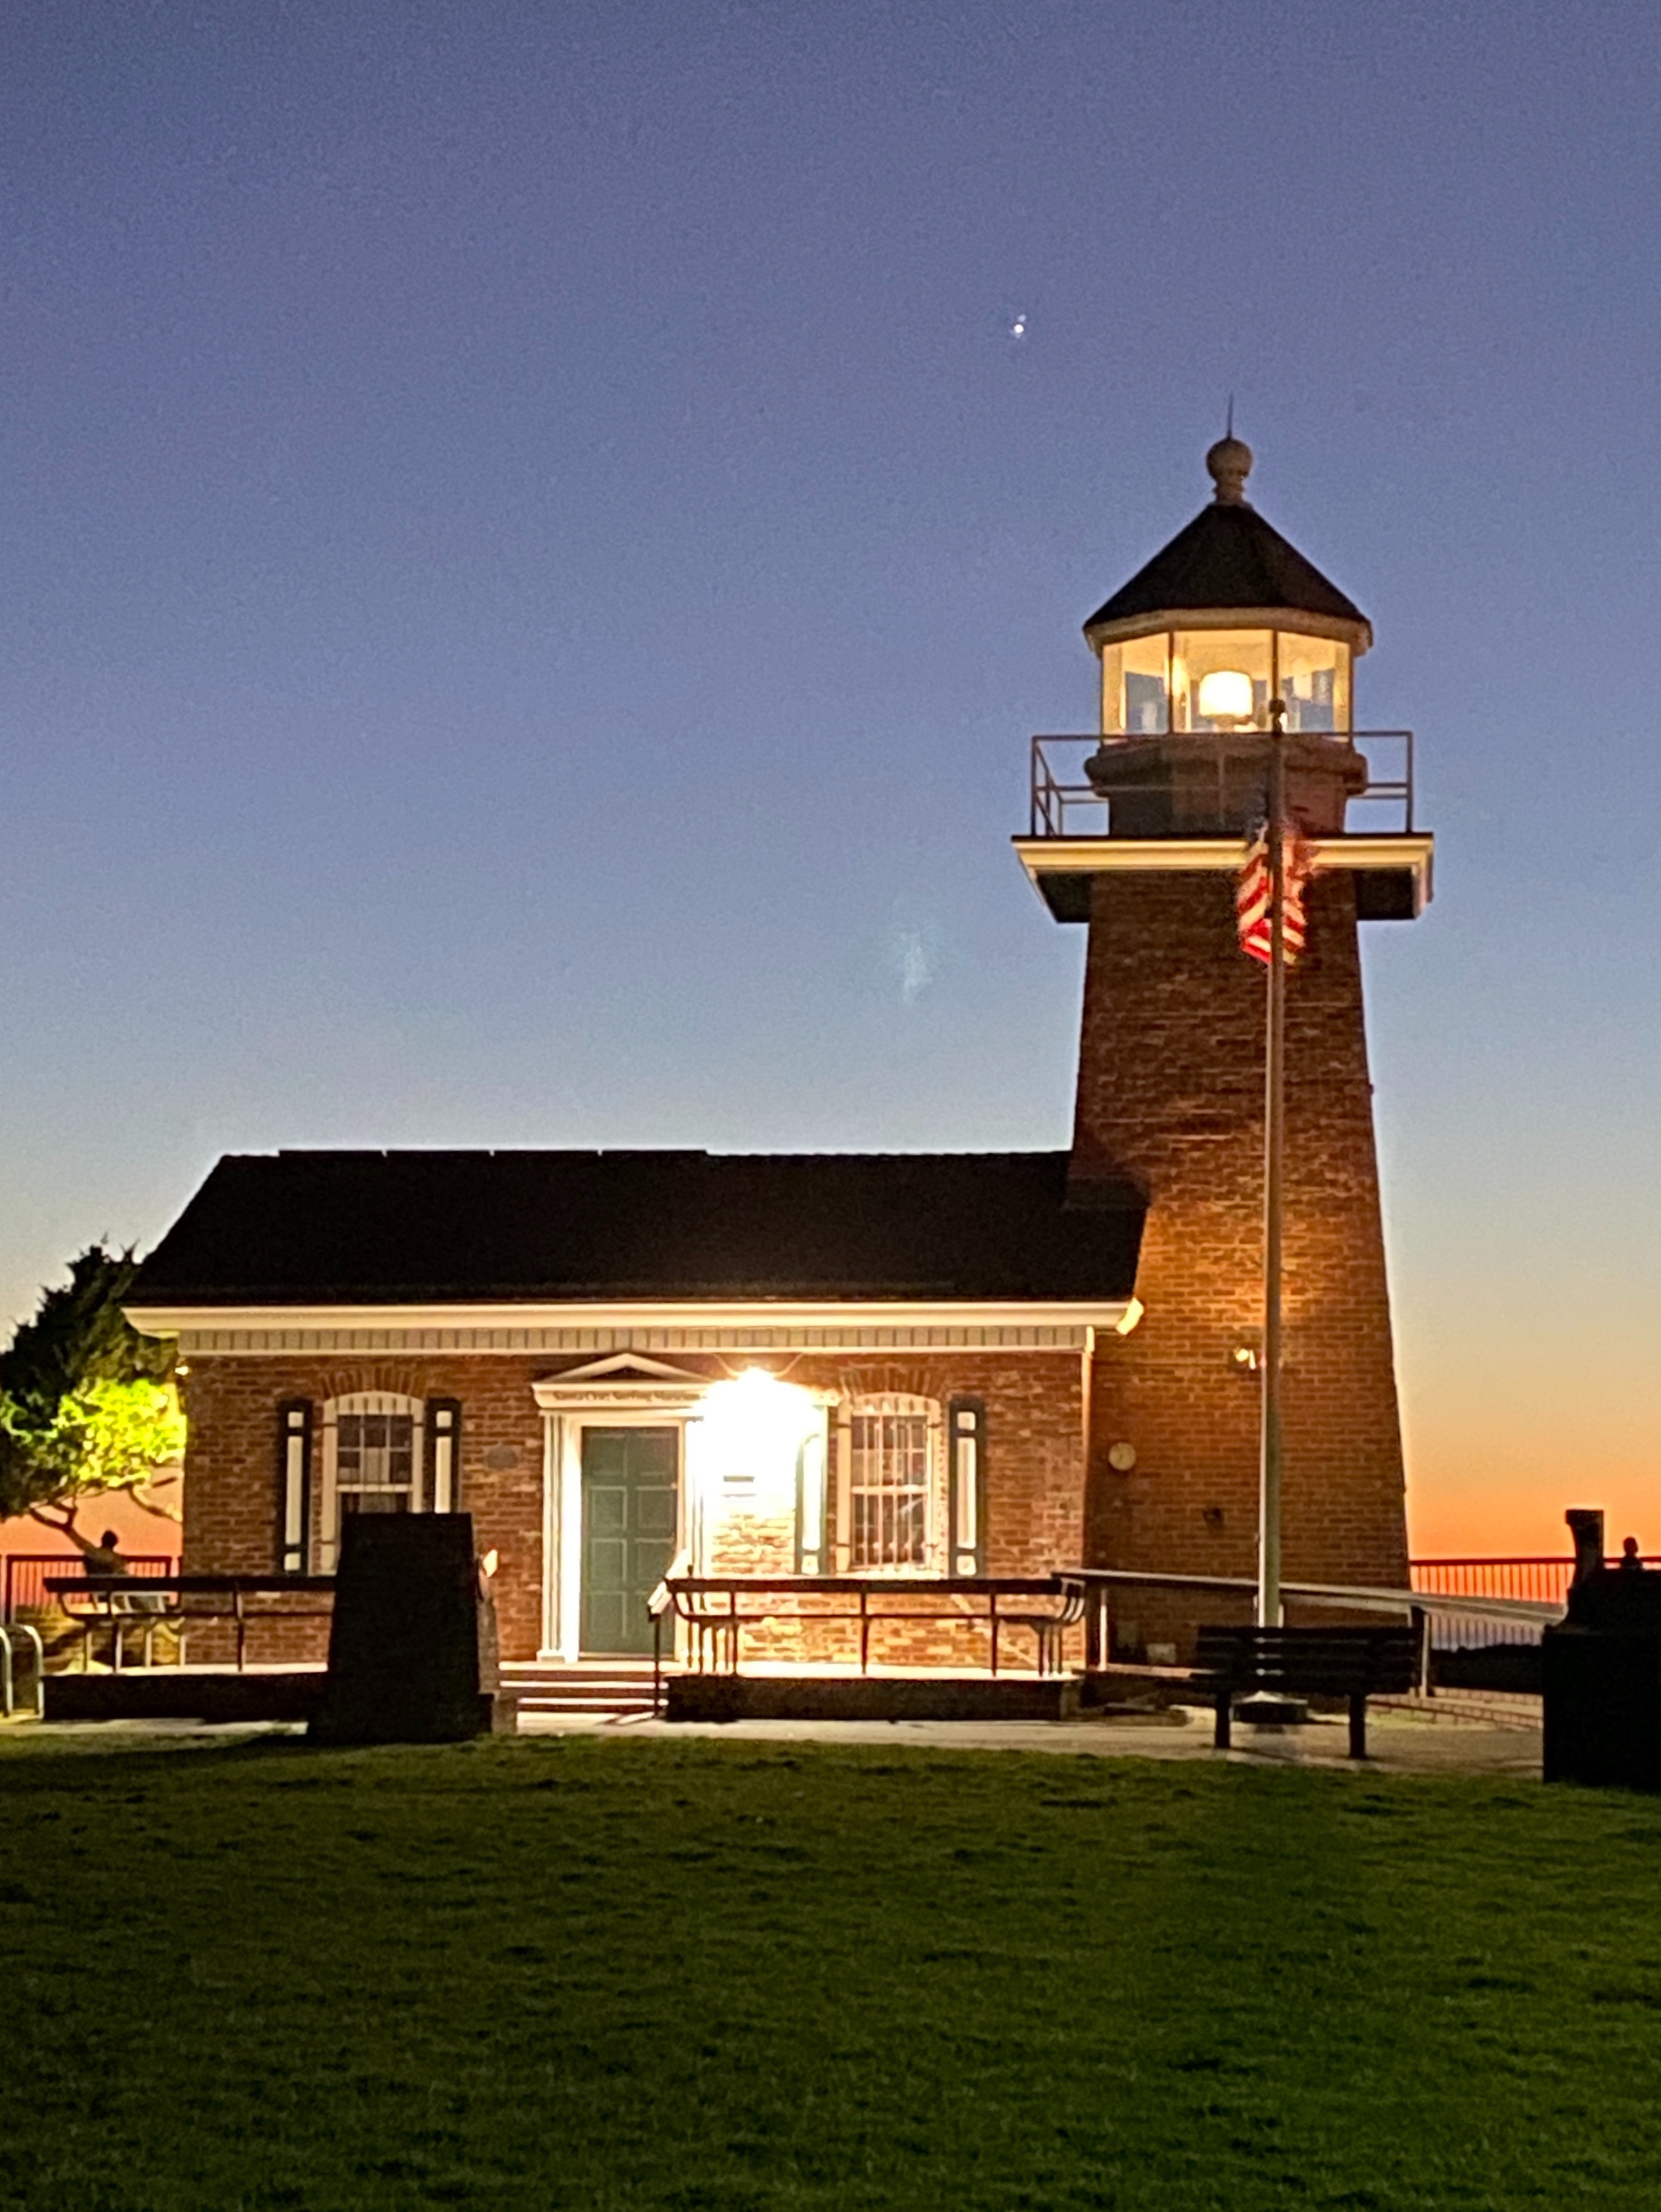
[1227, 637]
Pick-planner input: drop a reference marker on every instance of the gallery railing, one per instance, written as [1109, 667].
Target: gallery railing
[1064, 802]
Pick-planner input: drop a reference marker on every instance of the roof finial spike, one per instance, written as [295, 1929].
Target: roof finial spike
[1230, 463]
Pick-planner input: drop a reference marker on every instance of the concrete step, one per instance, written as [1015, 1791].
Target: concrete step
[598, 1691]
[563, 1708]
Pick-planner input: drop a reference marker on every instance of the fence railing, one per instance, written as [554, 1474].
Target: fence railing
[25, 1581]
[179, 1602]
[1440, 1623]
[717, 1609]
[1539, 1581]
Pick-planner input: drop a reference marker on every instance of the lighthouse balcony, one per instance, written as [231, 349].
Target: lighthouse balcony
[1187, 800]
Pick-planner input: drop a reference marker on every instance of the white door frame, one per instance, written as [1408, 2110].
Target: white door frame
[626, 1391]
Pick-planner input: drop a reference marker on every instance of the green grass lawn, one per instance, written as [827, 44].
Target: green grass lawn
[603, 1973]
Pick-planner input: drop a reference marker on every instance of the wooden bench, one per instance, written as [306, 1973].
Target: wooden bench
[1354, 1663]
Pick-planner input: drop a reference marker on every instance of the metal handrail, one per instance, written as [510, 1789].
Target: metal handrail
[662, 1598]
[1363, 1597]
[141, 1567]
[238, 1588]
[1052, 797]
[1542, 1570]
[720, 1630]
[250, 1585]
[660, 1603]
[8, 1677]
[1422, 1607]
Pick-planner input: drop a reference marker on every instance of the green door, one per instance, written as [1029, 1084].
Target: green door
[630, 1500]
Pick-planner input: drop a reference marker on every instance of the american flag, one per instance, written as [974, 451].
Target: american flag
[1251, 897]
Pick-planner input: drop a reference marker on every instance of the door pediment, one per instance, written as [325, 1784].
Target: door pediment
[622, 1382]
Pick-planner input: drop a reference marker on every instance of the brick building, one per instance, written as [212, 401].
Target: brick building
[940, 1364]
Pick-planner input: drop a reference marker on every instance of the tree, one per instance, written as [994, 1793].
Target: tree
[86, 1404]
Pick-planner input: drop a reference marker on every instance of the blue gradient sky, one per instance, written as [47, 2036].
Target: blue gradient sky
[531, 555]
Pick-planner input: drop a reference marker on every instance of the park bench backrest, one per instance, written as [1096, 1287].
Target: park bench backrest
[1334, 1662]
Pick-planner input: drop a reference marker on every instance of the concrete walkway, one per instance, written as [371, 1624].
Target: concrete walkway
[1398, 1743]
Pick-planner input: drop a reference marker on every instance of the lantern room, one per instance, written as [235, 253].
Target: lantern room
[1198, 678]
[1228, 617]
[1194, 649]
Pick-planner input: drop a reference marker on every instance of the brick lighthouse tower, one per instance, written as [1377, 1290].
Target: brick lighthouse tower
[1140, 834]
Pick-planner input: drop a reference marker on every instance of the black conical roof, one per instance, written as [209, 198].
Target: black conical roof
[1228, 556]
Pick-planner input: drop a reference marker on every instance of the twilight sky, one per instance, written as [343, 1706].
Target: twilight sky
[531, 551]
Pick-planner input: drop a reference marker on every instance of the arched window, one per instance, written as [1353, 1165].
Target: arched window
[372, 1460]
[890, 1485]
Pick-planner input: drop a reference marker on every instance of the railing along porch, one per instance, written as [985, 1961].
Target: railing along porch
[716, 1610]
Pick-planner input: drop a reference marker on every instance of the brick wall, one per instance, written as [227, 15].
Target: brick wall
[1034, 1434]
[1034, 1429]
[231, 1475]
[1170, 1091]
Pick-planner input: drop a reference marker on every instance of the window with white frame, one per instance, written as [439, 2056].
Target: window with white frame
[372, 1460]
[375, 1463]
[889, 1472]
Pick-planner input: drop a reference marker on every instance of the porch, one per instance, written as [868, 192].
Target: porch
[723, 1648]
[851, 1647]
[714, 1648]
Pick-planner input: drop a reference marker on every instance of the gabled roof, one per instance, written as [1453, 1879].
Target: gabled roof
[1226, 557]
[389, 1228]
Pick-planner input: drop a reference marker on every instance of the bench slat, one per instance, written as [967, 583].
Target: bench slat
[1332, 1662]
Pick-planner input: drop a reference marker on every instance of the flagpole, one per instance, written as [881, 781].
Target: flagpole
[1274, 1134]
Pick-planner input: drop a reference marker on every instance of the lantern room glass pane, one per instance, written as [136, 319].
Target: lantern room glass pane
[1134, 695]
[1314, 673]
[1202, 652]
[1112, 687]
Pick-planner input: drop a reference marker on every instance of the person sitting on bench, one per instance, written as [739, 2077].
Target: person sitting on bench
[102, 1563]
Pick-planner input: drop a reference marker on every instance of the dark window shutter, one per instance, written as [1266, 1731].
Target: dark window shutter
[293, 1449]
[966, 1461]
[444, 1423]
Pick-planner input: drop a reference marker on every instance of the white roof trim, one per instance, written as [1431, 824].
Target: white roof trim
[1292, 622]
[1011, 1325]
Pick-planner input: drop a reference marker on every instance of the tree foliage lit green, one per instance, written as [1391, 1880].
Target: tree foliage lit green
[86, 1404]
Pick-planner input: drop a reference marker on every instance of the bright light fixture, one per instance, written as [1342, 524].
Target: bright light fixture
[753, 1428]
[1224, 695]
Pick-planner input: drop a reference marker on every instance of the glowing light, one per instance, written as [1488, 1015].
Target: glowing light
[1018, 328]
[753, 1427]
[1224, 695]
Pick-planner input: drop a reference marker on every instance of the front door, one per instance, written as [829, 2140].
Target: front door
[630, 1501]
